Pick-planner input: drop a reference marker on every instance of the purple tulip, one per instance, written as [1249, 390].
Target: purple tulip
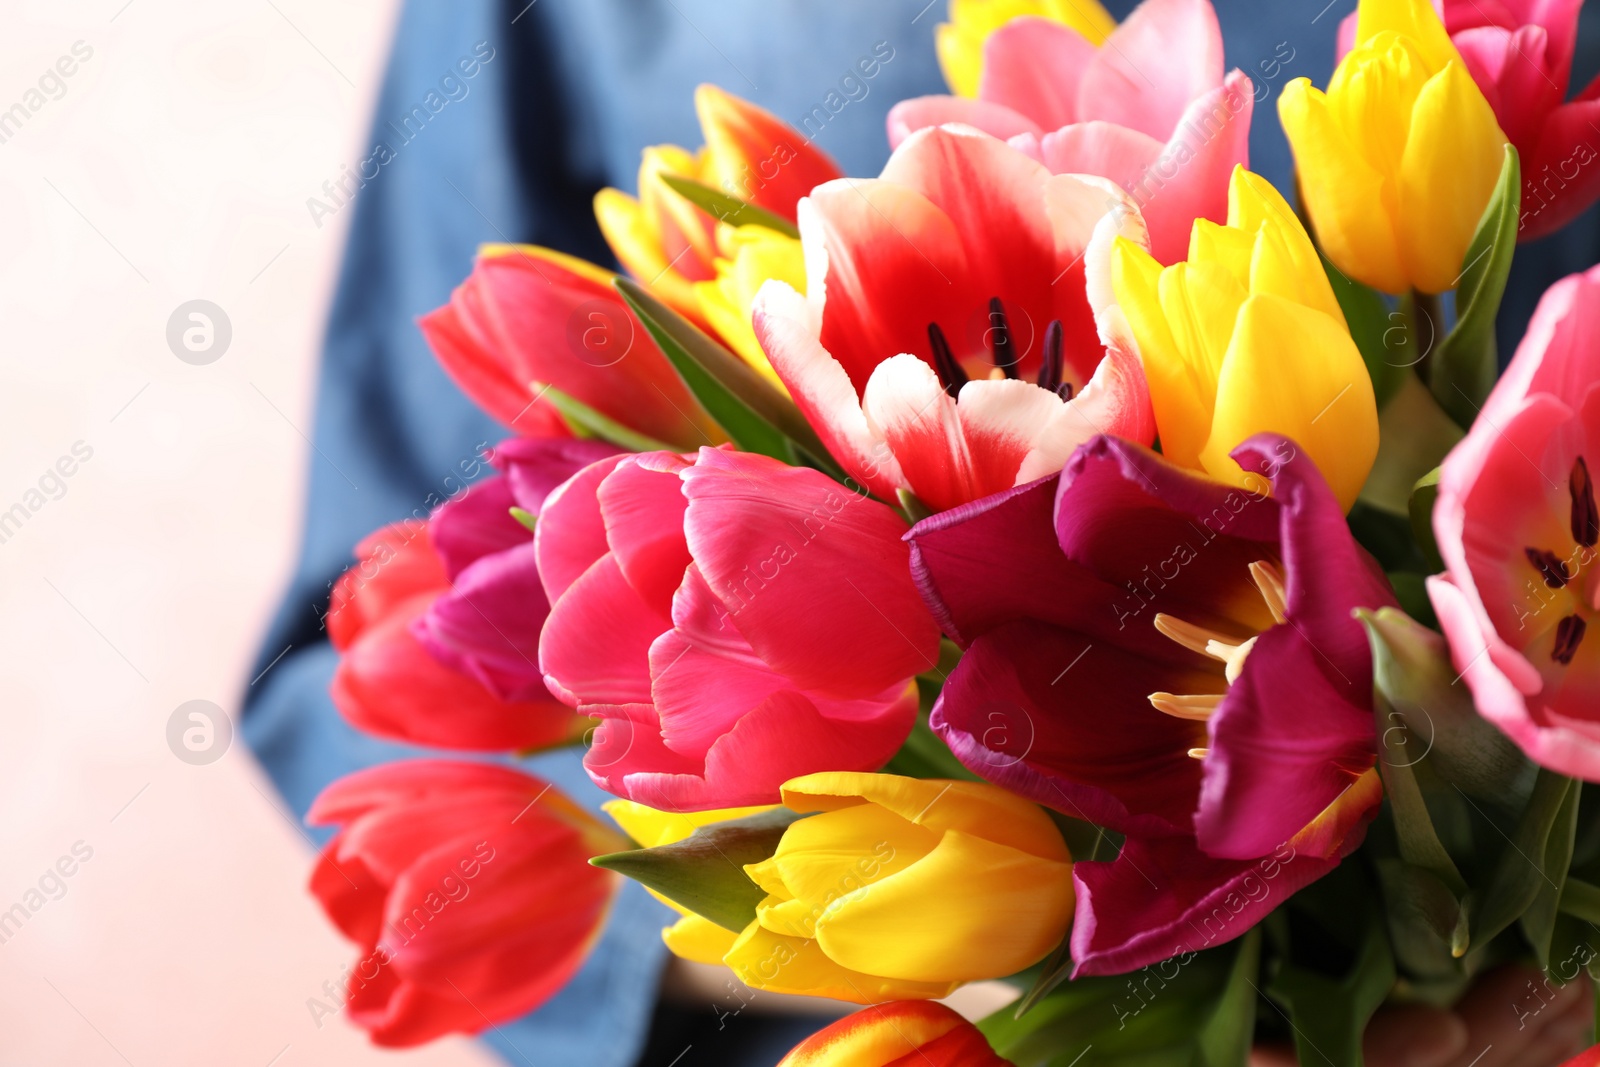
[487, 625]
[1174, 659]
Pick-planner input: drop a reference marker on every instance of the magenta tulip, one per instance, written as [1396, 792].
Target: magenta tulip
[1149, 109]
[1517, 526]
[1174, 659]
[735, 622]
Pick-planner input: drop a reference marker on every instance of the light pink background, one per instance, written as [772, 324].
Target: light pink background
[190, 141]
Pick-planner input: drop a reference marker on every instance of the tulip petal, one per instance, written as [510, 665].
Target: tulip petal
[595, 646]
[741, 138]
[1159, 59]
[998, 911]
[795, 529]
[921, 112]
[762, 959]
[571, 535]
[1340, 189]
[642, 504]
[1322, 395]
[487, 626]
[1447, 175]
[1034, 66]
[905, 403]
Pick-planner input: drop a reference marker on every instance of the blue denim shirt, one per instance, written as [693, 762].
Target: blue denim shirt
[563, 96]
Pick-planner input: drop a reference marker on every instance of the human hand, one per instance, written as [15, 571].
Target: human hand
[1509, 1018]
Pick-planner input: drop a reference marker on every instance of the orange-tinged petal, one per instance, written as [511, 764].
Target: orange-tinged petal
[909, 1033]
[752, 154]
[1295, 371]
[636, 242]
[1447, 176]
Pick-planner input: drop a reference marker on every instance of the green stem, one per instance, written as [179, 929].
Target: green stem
[1427, 327]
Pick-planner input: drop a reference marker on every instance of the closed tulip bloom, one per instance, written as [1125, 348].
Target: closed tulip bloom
[527, 317]
[904, 888]
[1246, 337]
[666, 241]
[693, 937]
[734, 622]
[961, 41]
[388, 683]
[1399, 158]
[904, 1033]
[469, 889]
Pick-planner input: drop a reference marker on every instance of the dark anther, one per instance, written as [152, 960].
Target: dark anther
[1050, 369]
[1585, 519]
[1064, 390]
[1001, 347]
[951, 376]
[1550, 567]
[1569, 631]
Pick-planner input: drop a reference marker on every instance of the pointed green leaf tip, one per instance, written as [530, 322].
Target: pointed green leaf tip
[726, 208]
[705, 871]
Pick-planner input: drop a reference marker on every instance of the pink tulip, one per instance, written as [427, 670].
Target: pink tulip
[735, 622]
[1150, 109]
[946, 344]
[1520, 54]
[1517, 526]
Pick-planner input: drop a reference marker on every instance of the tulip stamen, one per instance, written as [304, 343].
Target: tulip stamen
[1269, 580]
[951, 376]
[1569, 632]
[1195, 638]
[1585, 517]
[1550, 566]
[1002, 349]
[1198, 753]
[1050, 370]
[1197, 707]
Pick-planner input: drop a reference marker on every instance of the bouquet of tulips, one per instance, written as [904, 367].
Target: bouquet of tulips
[1056, 559]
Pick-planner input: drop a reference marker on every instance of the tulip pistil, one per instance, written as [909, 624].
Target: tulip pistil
[1002, 348]
[1569, 632]
[951, 376]
[1585, 518]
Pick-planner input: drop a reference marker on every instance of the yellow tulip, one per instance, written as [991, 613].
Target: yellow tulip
[692, 937]
[1245, 337]
[960, 41]
[1398, 159]
[749, 256]
[666, 241]
[903, 889]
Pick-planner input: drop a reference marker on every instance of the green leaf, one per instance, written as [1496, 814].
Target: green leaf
[756, 417]
[1464, 367]
[1329, 1013]
[705, 871]
[727, 208]
[1196, 1008]
[1521, 872]
[585, 421]
[1539, 921]
[1581, 899]
[1372, 327]
[527, 518]
[1414, 436]
[1423, 496]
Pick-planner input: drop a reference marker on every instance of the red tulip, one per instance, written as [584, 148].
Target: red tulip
[946, 343]
[388, 684]
[1586, 1059]
[467, 886]
[528, 317]
[903, 1033]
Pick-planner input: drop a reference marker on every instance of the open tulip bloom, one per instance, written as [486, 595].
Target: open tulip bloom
[1028, 564]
